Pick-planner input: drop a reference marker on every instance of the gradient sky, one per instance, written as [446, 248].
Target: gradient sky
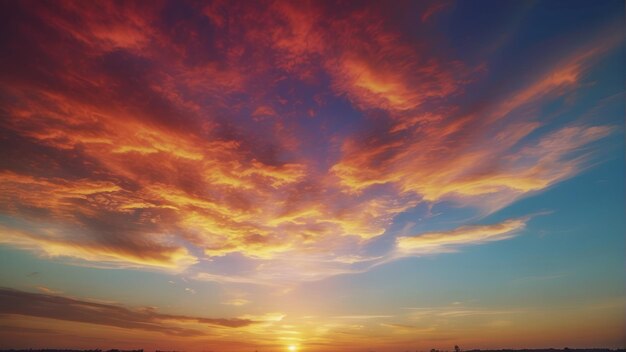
[334, 176]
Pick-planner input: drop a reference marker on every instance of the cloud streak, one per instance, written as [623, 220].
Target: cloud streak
[16, 302]
[438, 242]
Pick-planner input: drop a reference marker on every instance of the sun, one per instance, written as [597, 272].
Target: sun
[292, 348]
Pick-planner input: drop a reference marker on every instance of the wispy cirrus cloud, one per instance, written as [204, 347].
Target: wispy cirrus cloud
[438, 242]
[236, 302]
[140, 137]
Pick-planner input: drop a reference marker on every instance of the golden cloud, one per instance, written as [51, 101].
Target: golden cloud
[437, 242]
[136, 147]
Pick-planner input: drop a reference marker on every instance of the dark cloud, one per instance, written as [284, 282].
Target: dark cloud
[25, 330]
[71, 309]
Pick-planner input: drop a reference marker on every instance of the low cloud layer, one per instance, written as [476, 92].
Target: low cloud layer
[14, 302]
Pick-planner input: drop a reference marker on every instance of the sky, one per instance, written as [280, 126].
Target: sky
[312, 175]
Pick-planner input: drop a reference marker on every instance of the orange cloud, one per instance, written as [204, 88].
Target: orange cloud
[237, 302]
[472, 159]
[52, 244]
[140, 145]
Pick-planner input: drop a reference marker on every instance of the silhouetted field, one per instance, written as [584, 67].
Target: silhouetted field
[554, 350]
[475, 350]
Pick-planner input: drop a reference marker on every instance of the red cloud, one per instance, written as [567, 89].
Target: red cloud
[134, 134]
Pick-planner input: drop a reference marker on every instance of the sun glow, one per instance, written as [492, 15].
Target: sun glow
[292, 348]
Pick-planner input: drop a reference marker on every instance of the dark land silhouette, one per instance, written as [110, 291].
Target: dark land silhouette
[432, 350]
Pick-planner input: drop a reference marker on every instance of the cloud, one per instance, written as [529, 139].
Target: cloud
[149, 144]
[448, 156]
[236, 302]
[47, 290]
[71, 309]
[438, 242]
[433, 8]
[284, 270]
[455, 311]
[27, 330]
[54, 244]
[363, 317]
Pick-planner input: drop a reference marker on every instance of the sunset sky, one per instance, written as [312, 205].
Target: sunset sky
[321, 175]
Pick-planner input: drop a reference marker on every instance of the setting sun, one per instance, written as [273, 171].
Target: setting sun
[292, 348]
